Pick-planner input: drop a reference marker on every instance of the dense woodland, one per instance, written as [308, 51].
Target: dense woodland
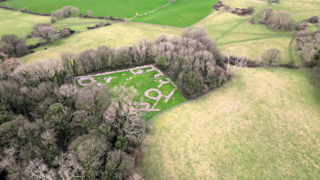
[52, 130]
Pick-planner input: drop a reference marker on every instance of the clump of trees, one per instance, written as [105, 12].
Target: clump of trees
[12, 46]
[281, 20]
[192, 60]
[308, 48]
[64, 12]
[45, 32]
[51, 130]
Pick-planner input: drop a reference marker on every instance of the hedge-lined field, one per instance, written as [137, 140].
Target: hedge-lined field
[116, 35]
[182, 13]
[13, 22]
[262, 125]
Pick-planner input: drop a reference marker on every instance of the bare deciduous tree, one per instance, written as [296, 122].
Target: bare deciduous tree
[271, 56]
[238, 64]
[38, 170]
[69, 168]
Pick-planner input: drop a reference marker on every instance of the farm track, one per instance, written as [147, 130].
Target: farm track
[234, 27]
[155, 25]
[247, 40]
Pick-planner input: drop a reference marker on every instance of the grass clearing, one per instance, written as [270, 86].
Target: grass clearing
[142, 83]
[116, 35]
[263, 124]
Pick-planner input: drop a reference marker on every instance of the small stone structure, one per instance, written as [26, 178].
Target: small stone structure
[80, 81]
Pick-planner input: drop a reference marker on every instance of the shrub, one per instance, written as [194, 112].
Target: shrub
[313, 19]
[90, 13]
[250, 10]
[25, 9]
[65, 33]
[291, 64]
[65, 12]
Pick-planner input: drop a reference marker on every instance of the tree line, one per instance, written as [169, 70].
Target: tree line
[192, 60]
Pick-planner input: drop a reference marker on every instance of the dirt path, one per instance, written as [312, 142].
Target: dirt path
[155, 25]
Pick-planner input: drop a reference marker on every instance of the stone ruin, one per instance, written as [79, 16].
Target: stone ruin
[139, 70]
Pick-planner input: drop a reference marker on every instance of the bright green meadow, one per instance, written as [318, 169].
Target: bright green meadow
[182, 13]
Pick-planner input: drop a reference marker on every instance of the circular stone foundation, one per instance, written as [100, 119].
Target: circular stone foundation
[86, 81]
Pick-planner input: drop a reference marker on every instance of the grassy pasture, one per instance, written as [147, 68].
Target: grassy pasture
[116, 35]
[13, 22]
[182, 13]
[124, 8]
[142, 83]
[234, 35]
[262, 125]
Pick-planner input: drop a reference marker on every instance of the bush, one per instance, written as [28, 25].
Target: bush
[25, 9]
[291, 64]
[65, 12]
[90, 13]
[65, 33]
[282, 20]
[313, 19]
[250, 10]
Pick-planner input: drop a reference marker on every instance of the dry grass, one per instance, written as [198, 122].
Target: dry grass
[262, 125]
[117, 35]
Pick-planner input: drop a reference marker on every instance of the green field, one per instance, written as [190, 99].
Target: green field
[182, 13]
[262, 125]
[234, 35]
[142, 83]
[13, 22]
[117, 35]
[18, 23]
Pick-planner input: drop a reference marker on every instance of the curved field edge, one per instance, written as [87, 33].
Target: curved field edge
[264, 124]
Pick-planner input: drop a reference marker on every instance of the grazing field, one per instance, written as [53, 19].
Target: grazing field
[124, 8]
[117, 35]
[262, 125]
[13, 22]
[78, 24]
[142, 79]
[235, 35]
[178, 14]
